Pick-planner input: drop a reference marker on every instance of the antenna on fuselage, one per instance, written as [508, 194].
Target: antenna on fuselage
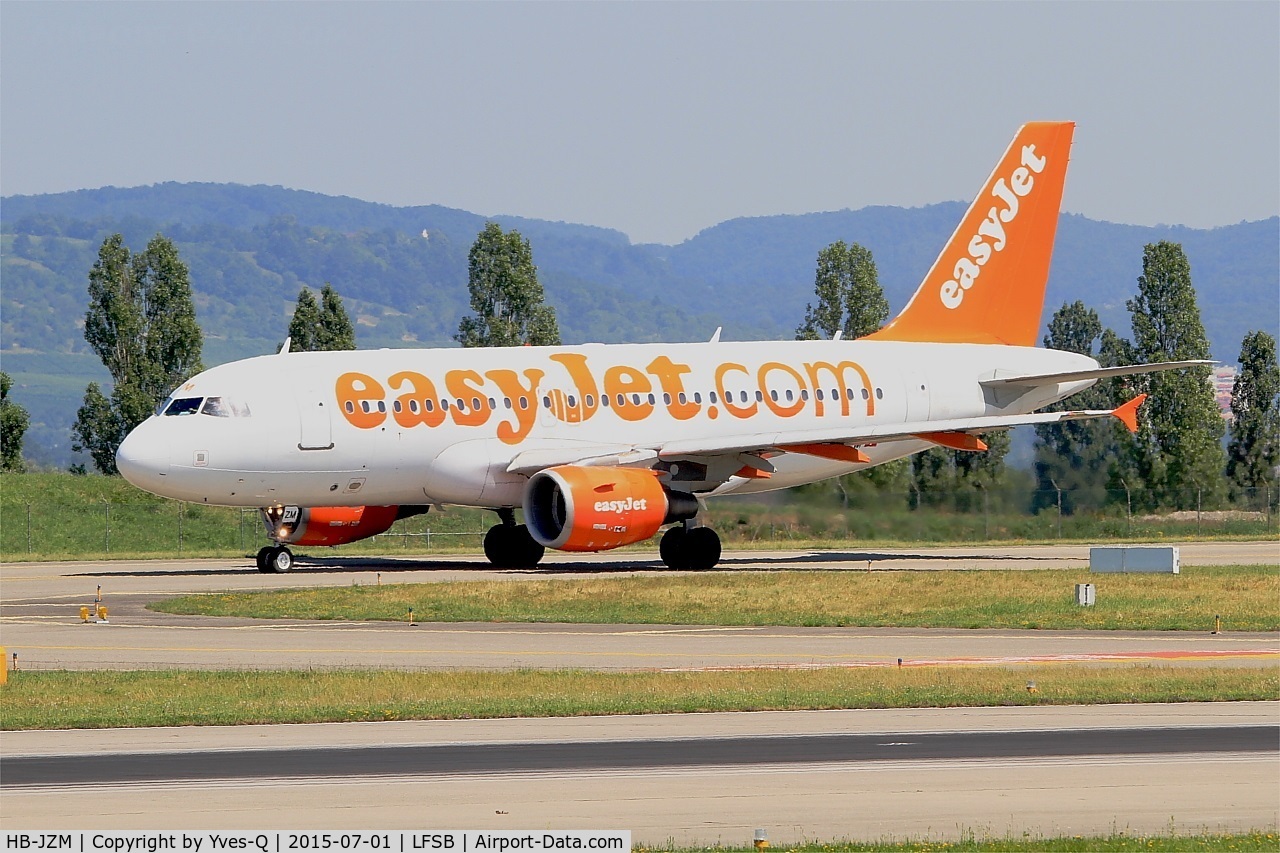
[284, 348]
[715, 339]
[838, 335]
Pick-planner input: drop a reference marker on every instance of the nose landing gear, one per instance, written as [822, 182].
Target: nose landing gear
[275, 559]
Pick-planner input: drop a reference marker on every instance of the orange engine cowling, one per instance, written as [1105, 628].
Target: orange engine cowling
[327, 525]
[576, 508]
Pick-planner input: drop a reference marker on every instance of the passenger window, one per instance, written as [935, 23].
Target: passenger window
[429, 405]
[865, 395]
[712, 396]
[879, 394]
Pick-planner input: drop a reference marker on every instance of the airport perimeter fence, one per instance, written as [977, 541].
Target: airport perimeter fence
[94, 530]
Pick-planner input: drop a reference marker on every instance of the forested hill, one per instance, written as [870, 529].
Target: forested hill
[403, 271]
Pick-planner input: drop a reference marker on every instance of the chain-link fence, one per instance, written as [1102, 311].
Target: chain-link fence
[93, 530]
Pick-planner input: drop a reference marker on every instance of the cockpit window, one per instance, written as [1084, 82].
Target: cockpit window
[183, 406]
[224, 407]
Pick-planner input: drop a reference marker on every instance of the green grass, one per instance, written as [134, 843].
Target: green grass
[1246, 597]
[970, 842]
[56, 516]
[73, 699]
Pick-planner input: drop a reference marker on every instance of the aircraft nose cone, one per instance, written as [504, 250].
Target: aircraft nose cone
[142, 460]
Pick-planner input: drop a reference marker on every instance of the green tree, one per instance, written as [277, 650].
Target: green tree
[506, 296]
[141, 322]
[320, 326]
[850, 299]
[304, 328]
[1076, 456]
[1254, 449]
[336, 331]
[14, 421]
[1178, 452]
[98, 429]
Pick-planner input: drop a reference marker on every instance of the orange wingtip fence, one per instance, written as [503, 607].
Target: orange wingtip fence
[1128, 413]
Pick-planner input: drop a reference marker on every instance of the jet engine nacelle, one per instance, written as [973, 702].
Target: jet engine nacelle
[574, 508]
[327, 525]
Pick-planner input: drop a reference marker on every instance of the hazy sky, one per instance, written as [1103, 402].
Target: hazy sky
[656, 119]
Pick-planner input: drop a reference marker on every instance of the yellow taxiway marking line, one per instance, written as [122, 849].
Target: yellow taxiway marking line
[879, 662]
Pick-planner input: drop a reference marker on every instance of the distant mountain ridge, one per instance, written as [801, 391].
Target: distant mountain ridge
[403, 272]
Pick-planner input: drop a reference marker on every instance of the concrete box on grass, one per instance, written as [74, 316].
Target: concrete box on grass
[1134, 558]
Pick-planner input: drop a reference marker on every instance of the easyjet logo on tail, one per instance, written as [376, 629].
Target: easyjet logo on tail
[987, 285]
[1018, 185]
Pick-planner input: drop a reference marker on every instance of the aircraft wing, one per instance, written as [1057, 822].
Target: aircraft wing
[533, 461]
[947, 433]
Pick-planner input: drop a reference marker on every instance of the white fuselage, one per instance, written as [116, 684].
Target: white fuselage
[444, 426]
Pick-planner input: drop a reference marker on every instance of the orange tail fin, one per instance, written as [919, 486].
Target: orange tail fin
[987, 286]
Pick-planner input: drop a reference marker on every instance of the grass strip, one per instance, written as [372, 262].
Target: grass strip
[1116, 842]
[1246, 597]
[97, 699]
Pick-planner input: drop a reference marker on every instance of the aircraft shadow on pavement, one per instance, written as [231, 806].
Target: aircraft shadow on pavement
[826, 561]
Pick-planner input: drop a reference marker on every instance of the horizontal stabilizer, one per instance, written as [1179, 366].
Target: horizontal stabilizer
[1032, 380]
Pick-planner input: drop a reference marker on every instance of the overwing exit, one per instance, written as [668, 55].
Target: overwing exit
[602, 446]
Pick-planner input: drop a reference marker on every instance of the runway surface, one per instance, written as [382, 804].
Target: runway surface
[703, 778]
[628, 754]
[698, 778]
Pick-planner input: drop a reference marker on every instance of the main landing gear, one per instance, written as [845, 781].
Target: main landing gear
[510, 546]
[685, 547]
[275, 559]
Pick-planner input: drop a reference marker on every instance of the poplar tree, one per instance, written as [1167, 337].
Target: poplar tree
[141, 322]
[1254, 449]
[1076, 456]
[506, 296]
[320, 326]
[14, 421]
[1178, 452]
[304, 328]
[336, 331]
[850, 299]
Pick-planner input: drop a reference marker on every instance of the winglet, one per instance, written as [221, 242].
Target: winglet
[1128, 413]
[987, 286]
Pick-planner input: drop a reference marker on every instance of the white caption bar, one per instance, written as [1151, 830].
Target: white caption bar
[275, 841]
